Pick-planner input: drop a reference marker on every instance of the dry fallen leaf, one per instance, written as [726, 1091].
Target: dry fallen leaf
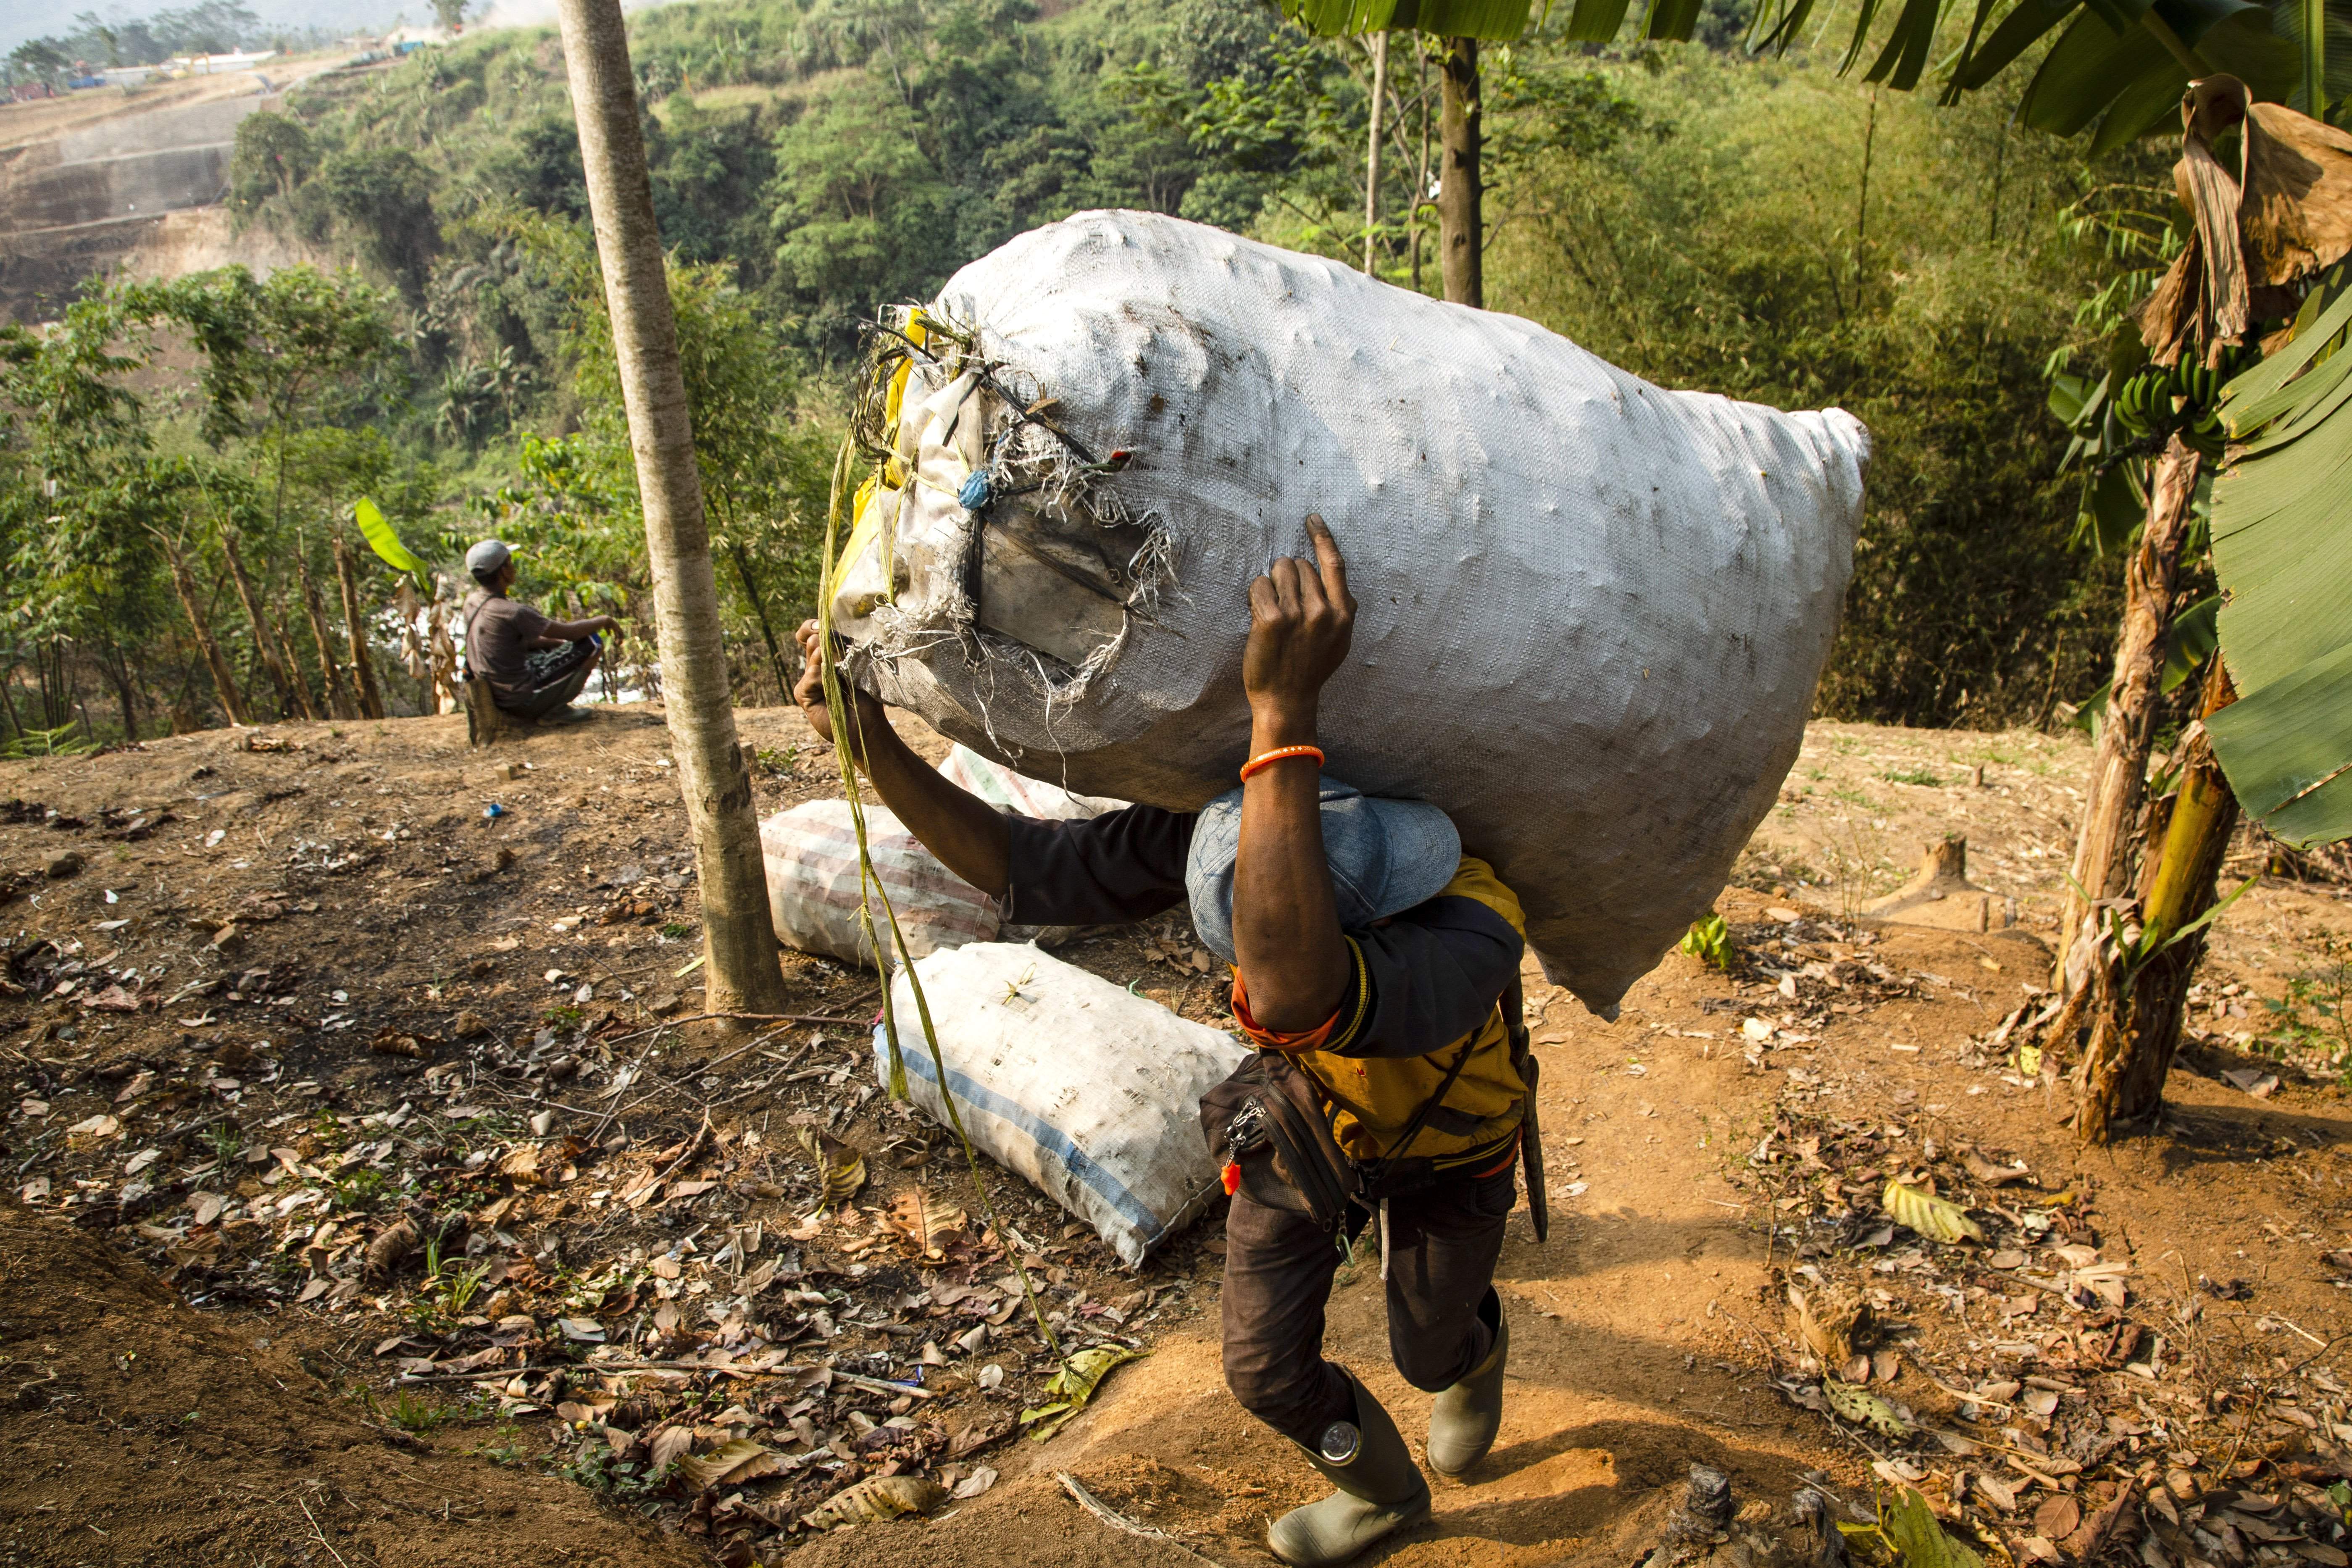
[1859, 1406]
[1993, 1175]
[728, 1462]
[923, 1220]
[876, 1497]
[1934, 1218]
[1998, 1492]
[841, 1168]
[1827, 1322]
[668, 1444]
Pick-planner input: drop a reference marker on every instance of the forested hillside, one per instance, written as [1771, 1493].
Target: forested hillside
[184, 460]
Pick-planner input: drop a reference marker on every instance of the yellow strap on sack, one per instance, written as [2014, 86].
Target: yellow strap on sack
[864, 518]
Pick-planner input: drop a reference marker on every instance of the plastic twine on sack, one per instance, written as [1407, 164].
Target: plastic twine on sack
[870, 889]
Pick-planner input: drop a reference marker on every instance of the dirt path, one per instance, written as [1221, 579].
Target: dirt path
[1730, 1137]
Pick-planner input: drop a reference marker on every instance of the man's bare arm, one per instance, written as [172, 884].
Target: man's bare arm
[559, 633]
[963, 830]
[1286, 939]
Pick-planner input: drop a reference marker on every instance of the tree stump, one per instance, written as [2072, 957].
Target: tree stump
[1941, 895]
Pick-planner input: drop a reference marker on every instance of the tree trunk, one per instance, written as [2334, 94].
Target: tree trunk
[760, 613]
[1460, 229]
[224, 680]
[371, 697]
[8, 704]
[265, 646]
[1372, 149]
[118, 675]
[739, 938]
[293, 664]
[2101, 868]
[331, 676]
[2122, 1078]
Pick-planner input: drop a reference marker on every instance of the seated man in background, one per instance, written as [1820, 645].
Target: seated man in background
[535, 666]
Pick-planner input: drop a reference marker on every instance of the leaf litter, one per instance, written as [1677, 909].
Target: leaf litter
[657, 1261]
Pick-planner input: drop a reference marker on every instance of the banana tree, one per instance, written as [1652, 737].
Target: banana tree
[1461, 24]
[2233, 386]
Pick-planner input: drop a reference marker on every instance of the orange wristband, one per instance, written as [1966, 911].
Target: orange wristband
[1280, 753]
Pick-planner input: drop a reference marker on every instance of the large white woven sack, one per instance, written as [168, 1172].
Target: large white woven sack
[814, 887]
[1592, 612]
[1089, 1092]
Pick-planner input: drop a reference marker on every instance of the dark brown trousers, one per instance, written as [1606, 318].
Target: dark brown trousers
[1443, 1242]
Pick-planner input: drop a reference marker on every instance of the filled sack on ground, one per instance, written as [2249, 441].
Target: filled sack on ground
[813, 890]
[1592, 612]
[1086, 1091]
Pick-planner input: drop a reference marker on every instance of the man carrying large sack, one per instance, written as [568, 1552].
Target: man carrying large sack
[1376, 966]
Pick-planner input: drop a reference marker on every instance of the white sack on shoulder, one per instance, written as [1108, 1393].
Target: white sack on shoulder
[1091, 1093]
[1592, 612]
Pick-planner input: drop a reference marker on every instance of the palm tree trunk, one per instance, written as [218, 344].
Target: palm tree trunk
[184, 583]
[263, 644]
[1461, 227]
[2122, 1079]
[338, 701]
[2111, 807]
[739, 938]
[371, 697]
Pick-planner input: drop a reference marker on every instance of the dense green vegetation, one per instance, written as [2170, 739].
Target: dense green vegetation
[1762, 229]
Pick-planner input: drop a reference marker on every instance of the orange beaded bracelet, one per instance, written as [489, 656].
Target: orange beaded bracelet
[1280, 753]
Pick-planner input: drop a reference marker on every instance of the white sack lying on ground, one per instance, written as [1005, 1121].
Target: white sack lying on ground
[1592, 612]
[813, 890]
[1088, 1091]
[811, 853]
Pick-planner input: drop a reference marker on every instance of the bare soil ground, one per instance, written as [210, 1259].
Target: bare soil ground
[364, 1166]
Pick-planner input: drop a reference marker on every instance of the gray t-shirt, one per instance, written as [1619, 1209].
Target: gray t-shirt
[500, 633]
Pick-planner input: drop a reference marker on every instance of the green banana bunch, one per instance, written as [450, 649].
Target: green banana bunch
[2144, 402]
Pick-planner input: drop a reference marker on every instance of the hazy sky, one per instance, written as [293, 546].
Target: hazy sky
[21, 20]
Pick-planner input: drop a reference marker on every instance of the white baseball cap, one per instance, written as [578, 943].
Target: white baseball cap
[485, 559]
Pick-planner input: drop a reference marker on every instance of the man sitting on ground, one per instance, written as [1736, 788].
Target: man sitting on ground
[535, 667]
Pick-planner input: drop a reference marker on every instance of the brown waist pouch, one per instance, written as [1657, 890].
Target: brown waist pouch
[1273, 1125]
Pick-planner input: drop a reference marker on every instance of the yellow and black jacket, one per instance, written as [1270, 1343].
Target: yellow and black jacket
[1426, 990]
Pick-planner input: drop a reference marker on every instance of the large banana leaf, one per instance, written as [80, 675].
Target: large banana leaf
[1589, 21]
[1504, 19]
[2115, 65]
[2283, 549]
